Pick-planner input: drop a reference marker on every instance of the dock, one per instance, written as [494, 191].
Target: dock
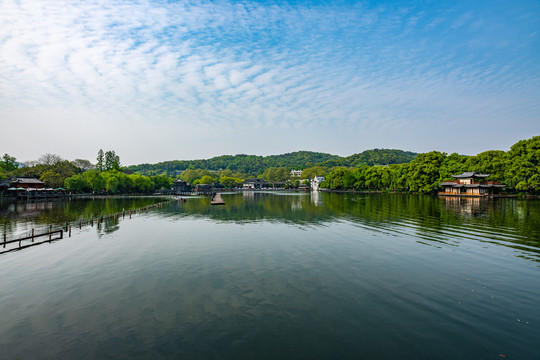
[217, 199]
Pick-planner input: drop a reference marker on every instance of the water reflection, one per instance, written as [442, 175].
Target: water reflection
[447, 221]
[466, 206]
[17, 217]
[427, 219]
[276, 275]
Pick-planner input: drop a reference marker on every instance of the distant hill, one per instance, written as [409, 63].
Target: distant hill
[254, 165]
[375, 157]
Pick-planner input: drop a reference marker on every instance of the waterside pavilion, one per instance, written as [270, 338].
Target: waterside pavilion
[470, 184]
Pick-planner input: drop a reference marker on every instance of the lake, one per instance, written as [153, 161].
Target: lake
[275, 275]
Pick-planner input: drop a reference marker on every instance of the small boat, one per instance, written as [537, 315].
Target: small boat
[217, 199]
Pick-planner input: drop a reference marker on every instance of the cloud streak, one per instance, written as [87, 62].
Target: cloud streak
[196, 79]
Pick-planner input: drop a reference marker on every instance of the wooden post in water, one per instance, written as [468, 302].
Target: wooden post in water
[50, 229]
[123, 213]
[80, 223]
[5, 235]
[32, 234]
[92, 220]
[69, 230]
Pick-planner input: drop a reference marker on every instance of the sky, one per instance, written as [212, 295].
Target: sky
[180, 80]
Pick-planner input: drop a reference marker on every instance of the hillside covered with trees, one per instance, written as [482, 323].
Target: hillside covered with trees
[253, 165]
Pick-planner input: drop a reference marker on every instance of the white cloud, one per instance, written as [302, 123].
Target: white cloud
[173, 73]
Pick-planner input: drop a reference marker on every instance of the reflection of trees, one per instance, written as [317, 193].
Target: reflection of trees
[511, 222]
[426, 217]
[260, 206]
[58, 212]
[108, 226]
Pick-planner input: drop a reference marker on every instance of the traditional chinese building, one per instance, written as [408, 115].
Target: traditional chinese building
[470, 184]
[25, 183]
[252, 183]
[180, 186]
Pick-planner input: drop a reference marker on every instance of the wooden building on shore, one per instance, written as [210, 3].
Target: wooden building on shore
[24, 188]
[470, 184]
[253, 183]
[181, 186]
[24, 183]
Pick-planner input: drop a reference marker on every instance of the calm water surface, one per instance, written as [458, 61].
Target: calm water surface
[275, 275]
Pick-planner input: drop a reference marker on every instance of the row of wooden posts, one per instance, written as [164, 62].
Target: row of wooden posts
[98, 220]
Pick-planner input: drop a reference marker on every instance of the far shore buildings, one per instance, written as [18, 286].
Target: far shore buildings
[17, 184]
[180, 186]
[253, 183]
[24, 183]
[316, 182]
[470, 184]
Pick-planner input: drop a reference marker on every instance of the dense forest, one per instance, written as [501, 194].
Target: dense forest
[518, 168]
[252, 165]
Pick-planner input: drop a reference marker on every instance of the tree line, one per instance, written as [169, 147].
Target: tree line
[519, 169]
[81, 175]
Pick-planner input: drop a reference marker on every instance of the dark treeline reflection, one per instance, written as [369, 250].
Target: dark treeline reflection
[298, 208]
[510, 222]
[427, 219]
[58, 212]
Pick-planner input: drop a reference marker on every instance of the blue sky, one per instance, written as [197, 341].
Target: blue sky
[165, 80]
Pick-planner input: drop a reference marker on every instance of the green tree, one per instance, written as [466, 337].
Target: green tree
[311, 172]
[276, 174]
[189, 175]
[8, 163]
[523, 165]
[112, 184]
[334, 179]
[206, 180]
[229, 181]
[491, 162]
[162, 182]
[109, 160]
[52, 179]
[141, 183]
[454, 164]
[100, 165]
[76, 183]
[95, 181]
[424, 172]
